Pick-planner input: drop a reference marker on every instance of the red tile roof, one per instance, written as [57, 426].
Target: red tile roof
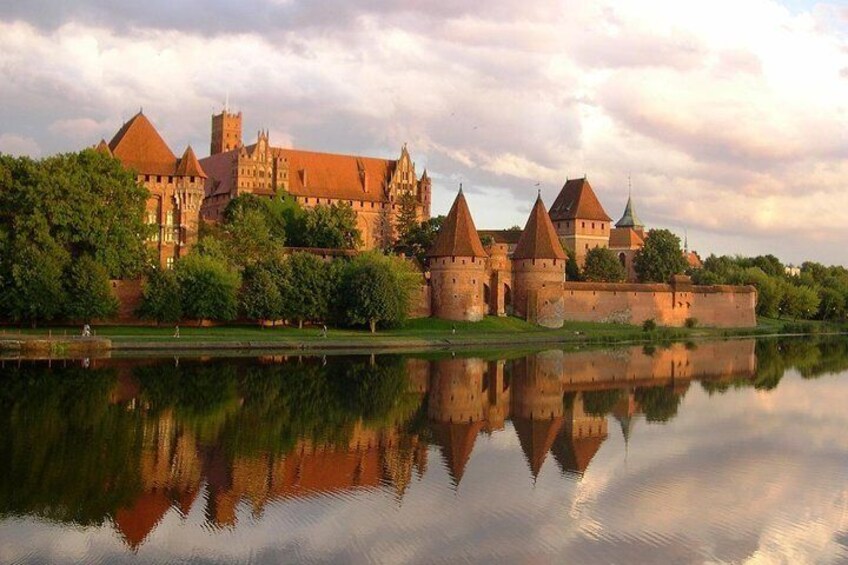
[189, 166]
[510, 237]
[577, 200]
[458, 236]
[536, 437]
[103, 147]
[457, 442]
[539, 239]
[139, 146]
[327, 175]
[625, 238]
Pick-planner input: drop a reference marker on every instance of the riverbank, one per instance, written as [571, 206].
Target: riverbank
[417, 334]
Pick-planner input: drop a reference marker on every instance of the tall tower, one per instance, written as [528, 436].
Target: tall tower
[226, 132]
[538, 271]
[458, 267]
[579, 219]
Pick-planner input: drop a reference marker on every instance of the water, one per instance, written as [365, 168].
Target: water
[720, 452]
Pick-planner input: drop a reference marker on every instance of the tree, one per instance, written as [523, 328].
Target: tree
[33, 289]
[407, 217]
[572, 269]
[90, 203]
[249, 238]
[161, 300]
[88, 292]
[307, 289]
[331, 227]
[419, 239]
[260, 297]
[799, 301]
[376, 289]
[769, 291]
[602, 265]
[208, 288]
[659, 258]
[832, 304]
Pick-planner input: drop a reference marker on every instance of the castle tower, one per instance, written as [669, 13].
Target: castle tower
[188, 197]
[458, 267]
[579, 219]
[226, 132]
[538, 266]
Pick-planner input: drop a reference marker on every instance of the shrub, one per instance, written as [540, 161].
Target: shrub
[649, 325]
[208, 288]
[691, 322]
[161, 297]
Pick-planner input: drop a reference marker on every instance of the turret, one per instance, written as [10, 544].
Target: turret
[458, 267]
[538, 266]
[226, 132]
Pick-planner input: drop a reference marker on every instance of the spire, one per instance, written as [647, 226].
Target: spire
[539, 239]
[629, 219]
[458, 236]
[685, 241]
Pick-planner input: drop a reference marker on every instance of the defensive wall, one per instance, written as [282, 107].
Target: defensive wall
[667, 304]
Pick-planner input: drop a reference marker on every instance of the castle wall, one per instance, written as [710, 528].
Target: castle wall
[715, 306]
[456, 390]
[456, 287]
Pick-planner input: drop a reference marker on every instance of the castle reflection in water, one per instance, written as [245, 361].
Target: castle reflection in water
[222, 433]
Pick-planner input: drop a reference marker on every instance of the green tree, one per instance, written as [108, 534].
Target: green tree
[418, 240]
[91, 204]
[33, 289]
[769, 291]
[832, 304]
[260, 296]
[208, 288]
[249, 238]
[407, 217]
[602, 265]
[308, 287]
[161, 300]
[799, 301]
[572, 269]
[376, 289]
[330, 227]
[660, 257]
[89, 295]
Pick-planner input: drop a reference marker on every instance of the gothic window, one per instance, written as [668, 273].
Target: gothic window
[169, 218]
[169, 263]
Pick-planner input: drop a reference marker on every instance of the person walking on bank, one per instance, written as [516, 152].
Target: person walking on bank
[177, 331]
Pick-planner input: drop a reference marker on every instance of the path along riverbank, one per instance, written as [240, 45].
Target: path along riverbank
[501, 333]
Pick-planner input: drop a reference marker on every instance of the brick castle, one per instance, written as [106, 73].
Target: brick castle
[520, 273]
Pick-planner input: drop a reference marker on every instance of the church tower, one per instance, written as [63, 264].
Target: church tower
[226, 132]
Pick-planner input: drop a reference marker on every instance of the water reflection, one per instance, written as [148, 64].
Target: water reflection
[121, 443]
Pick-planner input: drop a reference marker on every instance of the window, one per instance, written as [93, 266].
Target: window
[169, 218]
[583, 224]
[151, 217]
[169, 263]
[593, 225]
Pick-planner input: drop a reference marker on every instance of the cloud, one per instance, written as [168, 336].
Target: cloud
[729, 116]
[17, 145]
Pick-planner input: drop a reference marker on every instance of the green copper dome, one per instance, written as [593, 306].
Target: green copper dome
[629, 219]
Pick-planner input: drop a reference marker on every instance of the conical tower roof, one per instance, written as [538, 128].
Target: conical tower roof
[138, 145]
[629, 219]
[539, 239]
[103, 148]
[458, 236]
[536, 438]
[457, 442]
[189, 166]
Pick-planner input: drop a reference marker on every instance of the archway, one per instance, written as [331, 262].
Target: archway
[507, 293]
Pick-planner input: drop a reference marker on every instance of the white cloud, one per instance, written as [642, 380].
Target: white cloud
[730, 116]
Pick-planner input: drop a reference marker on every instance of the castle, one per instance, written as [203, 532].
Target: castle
[524, 276]
[374, 188]
[468, 281]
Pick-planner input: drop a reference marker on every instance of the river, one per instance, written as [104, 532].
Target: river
[715, 451]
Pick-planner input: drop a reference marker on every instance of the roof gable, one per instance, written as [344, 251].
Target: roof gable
[458, 236]
[139, 146]
[577, 200]
[539, 239]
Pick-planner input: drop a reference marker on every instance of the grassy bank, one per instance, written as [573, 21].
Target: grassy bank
[420, 333]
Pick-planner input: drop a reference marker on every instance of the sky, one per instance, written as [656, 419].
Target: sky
[729, 119]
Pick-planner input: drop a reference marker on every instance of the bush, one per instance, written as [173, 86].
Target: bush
[88, 291]
[649, 325]
[602, 265]
[691, 322]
